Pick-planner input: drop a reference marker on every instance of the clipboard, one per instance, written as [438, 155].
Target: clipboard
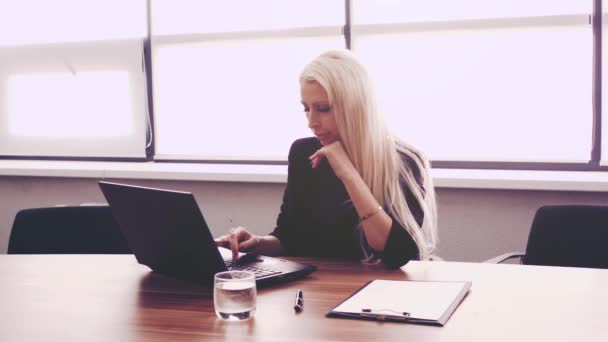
[404, 301]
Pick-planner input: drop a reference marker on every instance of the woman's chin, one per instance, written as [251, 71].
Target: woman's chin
[325, 140]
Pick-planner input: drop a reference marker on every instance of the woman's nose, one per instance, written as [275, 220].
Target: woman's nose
[312, 120]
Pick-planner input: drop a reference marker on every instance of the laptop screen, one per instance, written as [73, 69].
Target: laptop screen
[165, 230]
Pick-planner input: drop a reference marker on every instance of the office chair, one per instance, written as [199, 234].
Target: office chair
[566, 235]
[66, 230]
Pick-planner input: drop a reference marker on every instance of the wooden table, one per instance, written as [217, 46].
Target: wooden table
[112, 298]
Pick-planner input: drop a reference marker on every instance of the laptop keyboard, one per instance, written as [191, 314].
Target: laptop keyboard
[257, 270]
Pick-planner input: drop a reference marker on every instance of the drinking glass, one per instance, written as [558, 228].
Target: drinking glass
[234, 295]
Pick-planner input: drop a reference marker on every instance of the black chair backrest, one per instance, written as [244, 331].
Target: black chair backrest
[66, 230]
[569, 235]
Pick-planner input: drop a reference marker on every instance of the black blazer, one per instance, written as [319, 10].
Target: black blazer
[317, 217]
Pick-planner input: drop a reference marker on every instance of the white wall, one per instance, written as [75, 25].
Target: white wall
[474, 224]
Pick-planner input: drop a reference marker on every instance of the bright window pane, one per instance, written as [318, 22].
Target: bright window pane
[40, 21]
[73, 99]
[70, 105]
[237, 99]
[392, 11]
[494, 95]
[200, 16]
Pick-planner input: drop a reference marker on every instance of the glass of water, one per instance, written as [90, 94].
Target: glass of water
[234, 295]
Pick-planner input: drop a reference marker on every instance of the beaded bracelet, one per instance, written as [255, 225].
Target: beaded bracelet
[370, 214]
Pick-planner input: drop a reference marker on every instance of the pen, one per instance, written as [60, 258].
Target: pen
[299, 305]
[378, 315]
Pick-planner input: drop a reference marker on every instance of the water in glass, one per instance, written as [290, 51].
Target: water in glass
[235, 295]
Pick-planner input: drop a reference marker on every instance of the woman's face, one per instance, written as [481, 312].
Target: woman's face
[320, 114]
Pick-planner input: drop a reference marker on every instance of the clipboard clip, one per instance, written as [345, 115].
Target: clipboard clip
[384, 315]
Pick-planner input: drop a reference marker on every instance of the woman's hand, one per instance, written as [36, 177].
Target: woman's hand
[337, 158]
[239, 240]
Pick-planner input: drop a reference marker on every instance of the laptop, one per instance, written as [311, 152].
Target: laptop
[167, 232]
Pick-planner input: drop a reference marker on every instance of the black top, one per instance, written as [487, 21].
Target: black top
[317, 217]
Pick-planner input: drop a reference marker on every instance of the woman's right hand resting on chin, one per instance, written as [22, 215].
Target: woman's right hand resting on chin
[241, 240]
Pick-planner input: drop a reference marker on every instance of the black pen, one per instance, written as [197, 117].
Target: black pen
[299, 305]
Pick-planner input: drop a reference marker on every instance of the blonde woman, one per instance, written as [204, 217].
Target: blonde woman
[354, 190]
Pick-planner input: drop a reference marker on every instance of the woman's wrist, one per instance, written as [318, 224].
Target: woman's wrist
[370, 213]
[268, 245]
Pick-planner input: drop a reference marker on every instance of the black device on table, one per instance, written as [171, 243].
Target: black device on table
[166, 231]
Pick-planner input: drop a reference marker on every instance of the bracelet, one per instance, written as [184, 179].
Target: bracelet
[370, 214]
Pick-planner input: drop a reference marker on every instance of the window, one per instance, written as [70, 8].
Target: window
[482, 81]
[604, 77]
[228, 89]
[472, 83]
[72, 85]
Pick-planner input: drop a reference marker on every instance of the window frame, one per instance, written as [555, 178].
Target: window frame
[571, 20]
[125, 55]
[595, 162]
[272, 34]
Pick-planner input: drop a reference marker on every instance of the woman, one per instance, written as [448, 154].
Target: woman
[354, 190]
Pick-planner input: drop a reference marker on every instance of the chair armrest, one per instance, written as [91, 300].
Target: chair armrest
[503, 257]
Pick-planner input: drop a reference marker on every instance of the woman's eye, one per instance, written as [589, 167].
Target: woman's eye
[324, 109]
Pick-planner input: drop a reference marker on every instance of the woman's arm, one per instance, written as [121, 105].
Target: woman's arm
[384, 234]
[283, 239]
[376, 223]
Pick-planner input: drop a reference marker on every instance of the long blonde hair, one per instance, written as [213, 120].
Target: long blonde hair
[373, 150]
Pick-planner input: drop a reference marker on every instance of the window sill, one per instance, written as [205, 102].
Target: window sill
[444, 178]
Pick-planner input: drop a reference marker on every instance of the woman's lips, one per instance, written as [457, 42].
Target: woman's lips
[324, 139]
